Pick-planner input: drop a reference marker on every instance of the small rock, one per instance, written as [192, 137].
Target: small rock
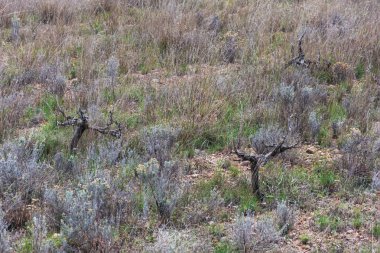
[310, 151]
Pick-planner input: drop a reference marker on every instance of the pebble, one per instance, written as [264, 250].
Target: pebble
[310, 151]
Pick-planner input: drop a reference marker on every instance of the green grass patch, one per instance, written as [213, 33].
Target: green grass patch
[304, 239]
[360, 70]
[224, 247]
[336, 112]
[324, 136]
[376, 230]
[278, 183]
[241, 195]
[334, 223]
[326, 177]
[234, 171]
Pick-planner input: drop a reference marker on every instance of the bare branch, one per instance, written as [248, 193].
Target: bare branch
[300, 51]
[246, 157]
[81, 124]
[300, 59]
[259, 160]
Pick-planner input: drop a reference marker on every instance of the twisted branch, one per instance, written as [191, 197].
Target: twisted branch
[81, 125]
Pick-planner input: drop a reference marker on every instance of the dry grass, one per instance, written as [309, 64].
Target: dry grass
[212, 70]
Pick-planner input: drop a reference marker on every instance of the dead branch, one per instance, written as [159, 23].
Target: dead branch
[300, 59]
[81, 125]
[259, 160]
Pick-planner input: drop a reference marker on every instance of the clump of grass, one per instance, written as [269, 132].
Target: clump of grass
[326, 177]
[279, 183]
[284, 217]
[217, 230]
[304, 239]
[224, 247]
[357, 221]
[324, 222]
[376, 230]
[234, 171]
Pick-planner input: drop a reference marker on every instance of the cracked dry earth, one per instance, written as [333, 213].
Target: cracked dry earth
[345, 238]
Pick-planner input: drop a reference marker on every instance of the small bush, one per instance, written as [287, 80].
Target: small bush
[39, 233]
[234, 171]
[243, 233]
[164, 185]
[265, 138]
[230, 50]
[286, 93]
[159, 142]
[5, 245]
[376, 181]
[54, 206]
[266, 234]
[224, 247]
[15, 29]
[82, 226]
[279, 183]
[360, 71]
[204, 209]
[314, 124]
[284, 217]
[21, 174]
[358, 159]
[342, 72]
[322, 221]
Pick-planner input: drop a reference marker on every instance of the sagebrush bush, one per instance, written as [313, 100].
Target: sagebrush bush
[12, 109]
[82, 227]
[358, 158]
[243, 232]
[284, 217]
[314, 124]
[104, 154]
[266, 138]
[266, 233]
[376, 181]
[5, 245]
[39, 233]
[203, 210]
[54, 206]
[159, 142]
[164, 185]
[21, 174]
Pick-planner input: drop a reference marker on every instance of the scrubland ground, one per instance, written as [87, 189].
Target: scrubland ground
[120, 118]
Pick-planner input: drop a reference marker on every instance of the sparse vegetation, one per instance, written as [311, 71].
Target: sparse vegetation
[189, 126]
